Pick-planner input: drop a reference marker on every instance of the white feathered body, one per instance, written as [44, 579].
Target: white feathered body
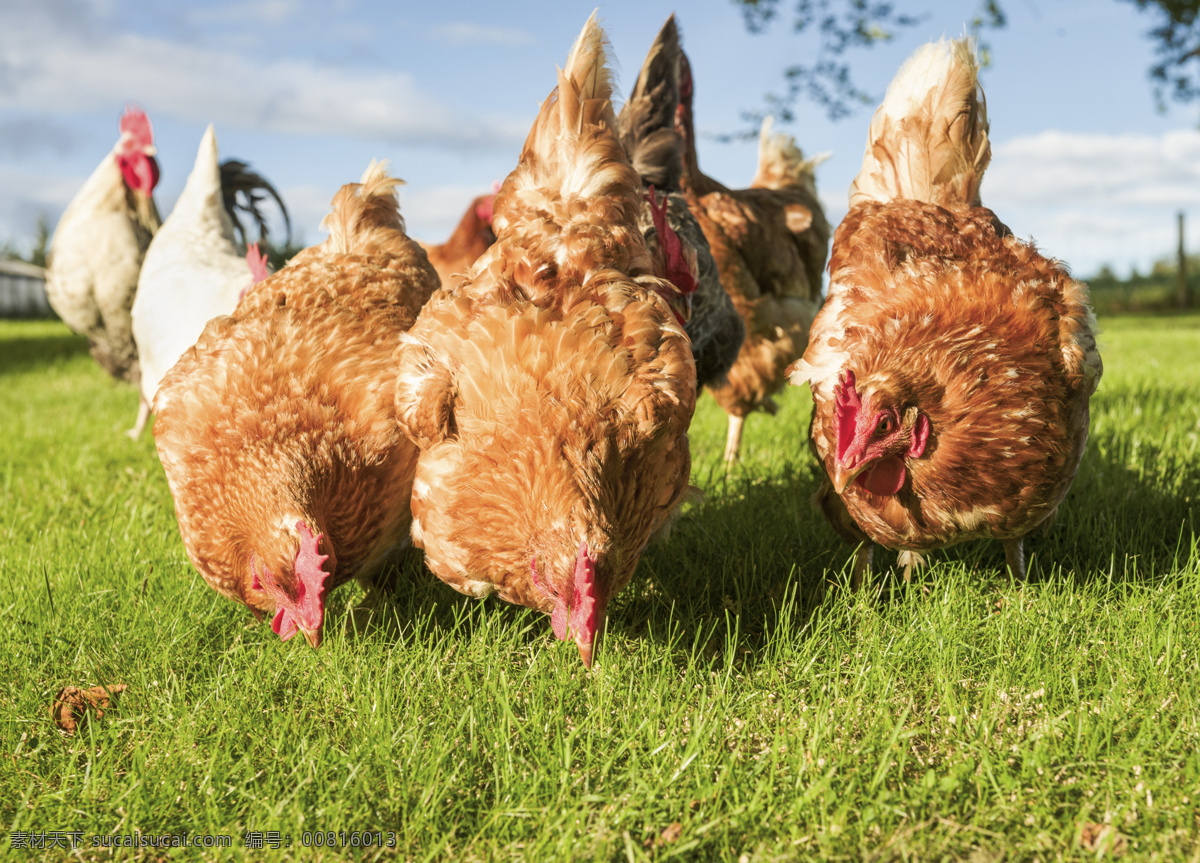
[193, 272]
[93, 269]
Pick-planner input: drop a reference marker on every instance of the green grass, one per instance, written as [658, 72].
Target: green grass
[738, 696]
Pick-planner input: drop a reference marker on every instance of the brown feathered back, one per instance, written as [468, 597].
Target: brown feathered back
[929, 139]
[364, 216]
[551, 392]
[282, 413]
[573, 180]
[952, 363]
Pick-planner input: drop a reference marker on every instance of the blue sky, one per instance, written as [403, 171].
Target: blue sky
[309, 92]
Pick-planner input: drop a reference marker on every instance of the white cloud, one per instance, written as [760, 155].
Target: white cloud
[247, 12]
[27, 197]
[50, 69]
[432, 212]
[1092, 199]
[469, 33]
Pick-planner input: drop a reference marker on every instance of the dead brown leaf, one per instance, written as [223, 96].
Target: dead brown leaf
[1103, 839]
[672, 832]
[72, 705]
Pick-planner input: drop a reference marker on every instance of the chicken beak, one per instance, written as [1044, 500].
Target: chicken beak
[588, 641]
[312, 636]
[585, 651]
[842, 476]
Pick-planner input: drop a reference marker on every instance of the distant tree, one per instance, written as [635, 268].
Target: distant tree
[37, 254]
[1177, 44]
[41, 242]
[845, 24]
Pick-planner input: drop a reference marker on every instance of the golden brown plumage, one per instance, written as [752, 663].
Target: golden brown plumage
[470, 239]
[551, 392]
[279, 422]
[770, 243]
[952, 364]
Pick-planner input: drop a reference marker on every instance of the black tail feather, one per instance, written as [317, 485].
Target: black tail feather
[237, 179]
[647, 121]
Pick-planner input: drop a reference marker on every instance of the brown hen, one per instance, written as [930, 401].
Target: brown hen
[277, 430]
[470, 239]
[952, 364]
[770, 243]
[551, 391]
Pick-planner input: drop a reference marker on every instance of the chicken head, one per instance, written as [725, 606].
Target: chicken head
[677, 263]
[874, 439]
[302, 607]
[579, 611]
[136, 154]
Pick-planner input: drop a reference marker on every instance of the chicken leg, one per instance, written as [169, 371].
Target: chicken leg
[1014, 553]
[733, 441]
[862, 564]
[142, 418]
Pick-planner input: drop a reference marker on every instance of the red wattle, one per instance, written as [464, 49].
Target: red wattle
[284, 625]
[885, 478]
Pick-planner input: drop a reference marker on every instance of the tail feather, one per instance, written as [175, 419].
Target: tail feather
[929, 139]
[200, 200]
[363, 214]
[238, 179]
[647, 121]
[561, 152]
[781, 163]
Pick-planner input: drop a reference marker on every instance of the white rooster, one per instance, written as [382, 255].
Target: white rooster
[99, 245]
[194, 270]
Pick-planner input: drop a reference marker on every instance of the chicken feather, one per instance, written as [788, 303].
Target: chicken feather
[193, 270]
[551, 391]
[278, 425]
[655, 148]
[952, 365]
[99, 244]
[770, 242]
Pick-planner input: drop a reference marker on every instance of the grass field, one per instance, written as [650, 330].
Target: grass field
[742, 707]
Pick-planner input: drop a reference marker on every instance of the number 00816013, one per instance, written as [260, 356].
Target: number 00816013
[348, 839]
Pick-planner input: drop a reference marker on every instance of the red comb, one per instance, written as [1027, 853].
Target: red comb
[311, 587]
[136, 124]
[310, 578]
[583, 603]
[257, 262]
[483, 210]
[677, 268]
[846, 406]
